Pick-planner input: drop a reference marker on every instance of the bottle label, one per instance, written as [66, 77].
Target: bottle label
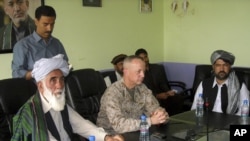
[143, 130]
[244, 111]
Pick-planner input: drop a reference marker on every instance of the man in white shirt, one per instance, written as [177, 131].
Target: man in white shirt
[224, 91]
[45, 116]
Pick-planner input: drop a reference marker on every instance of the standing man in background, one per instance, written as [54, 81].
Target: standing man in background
[21, 24]
[40, 44]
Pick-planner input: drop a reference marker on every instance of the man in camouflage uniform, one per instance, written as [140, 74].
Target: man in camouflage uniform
[127, 99]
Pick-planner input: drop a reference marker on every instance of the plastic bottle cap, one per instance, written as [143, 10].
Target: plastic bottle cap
[245, 101]
[91, 138]
[143, 117]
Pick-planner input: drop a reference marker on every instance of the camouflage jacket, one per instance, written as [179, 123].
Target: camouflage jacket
[120, 112]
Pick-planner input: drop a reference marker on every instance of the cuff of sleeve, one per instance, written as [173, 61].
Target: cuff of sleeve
[101, 135]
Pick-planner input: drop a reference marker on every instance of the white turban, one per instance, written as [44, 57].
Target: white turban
[224, 55]
[44, 66]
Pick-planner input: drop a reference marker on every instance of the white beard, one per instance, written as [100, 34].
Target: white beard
[57, 102]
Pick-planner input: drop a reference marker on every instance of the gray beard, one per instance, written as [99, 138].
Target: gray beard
[57, 102]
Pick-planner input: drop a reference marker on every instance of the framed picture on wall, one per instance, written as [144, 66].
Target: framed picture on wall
[146, 5]
[93, 3]
[9, 33]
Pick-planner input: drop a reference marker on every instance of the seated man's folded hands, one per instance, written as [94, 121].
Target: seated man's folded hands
[159, 116]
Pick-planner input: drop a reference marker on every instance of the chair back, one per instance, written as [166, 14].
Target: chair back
[14, 92]
[84, 89]
[109, 77]
[107, 73]
[201, 72]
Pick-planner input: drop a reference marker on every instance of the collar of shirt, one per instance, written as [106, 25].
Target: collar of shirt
[39, 38]
[45, 104]
[215, 82]
[118, 76]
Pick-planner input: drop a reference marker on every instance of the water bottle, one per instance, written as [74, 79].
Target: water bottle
[199, 106]
[91, 138]
[144, 129]
[244, 112]
[245, 109]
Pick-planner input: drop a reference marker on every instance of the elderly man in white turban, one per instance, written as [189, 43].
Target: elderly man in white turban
[45, 116]
[224, 90]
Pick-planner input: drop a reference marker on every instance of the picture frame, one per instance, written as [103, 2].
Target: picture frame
[146, 6]
[92, 3]
[5, 21]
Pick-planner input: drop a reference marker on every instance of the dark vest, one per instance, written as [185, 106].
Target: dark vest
[66, 124]
[112, 77]
[210, 92]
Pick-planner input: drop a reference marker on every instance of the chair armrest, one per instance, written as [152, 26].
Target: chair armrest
[188, 95]
[179, 84]
[188, 92]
